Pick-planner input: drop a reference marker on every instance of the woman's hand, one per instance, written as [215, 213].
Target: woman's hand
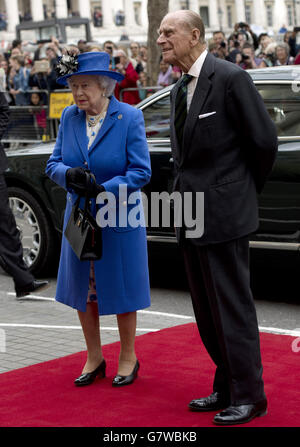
[76, 179]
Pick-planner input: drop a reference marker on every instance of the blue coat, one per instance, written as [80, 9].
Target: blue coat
[119, 155]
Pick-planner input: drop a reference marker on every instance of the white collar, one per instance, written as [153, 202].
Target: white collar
[197, 65]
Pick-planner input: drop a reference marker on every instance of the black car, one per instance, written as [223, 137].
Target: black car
[38, 203]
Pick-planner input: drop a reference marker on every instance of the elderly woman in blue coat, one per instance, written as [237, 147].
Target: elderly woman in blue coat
[107, 137]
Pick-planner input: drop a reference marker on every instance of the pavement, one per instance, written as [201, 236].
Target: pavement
[36, 328]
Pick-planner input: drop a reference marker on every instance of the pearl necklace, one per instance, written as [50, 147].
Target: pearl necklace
[93, 120]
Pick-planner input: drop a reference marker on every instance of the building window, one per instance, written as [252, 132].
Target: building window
[184, 4]
[248, 15]
[229, 16]
[204, 15]
[269, 9]
[290, 15]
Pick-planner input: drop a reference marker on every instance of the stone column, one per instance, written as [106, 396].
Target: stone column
[129, 15]
[84, 9]
[194, 6]
[61, 9]
[108, 20]
[174, 5]
[213, 15]
[259, 13]
[144, 15]
[37, 11]
[240, 11]
[279, 15]
[12, 12]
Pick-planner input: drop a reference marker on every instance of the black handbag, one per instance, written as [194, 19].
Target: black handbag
[82, 231]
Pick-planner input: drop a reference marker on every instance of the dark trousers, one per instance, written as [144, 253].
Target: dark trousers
[11, 250]
[219, 281]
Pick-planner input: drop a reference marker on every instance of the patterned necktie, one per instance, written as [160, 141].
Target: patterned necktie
[181, 106]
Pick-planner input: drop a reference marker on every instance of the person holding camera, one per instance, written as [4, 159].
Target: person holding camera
[125, 67]
[19, 80]
[221, 46]
[269, 56]
[248, 59]
[249, 36]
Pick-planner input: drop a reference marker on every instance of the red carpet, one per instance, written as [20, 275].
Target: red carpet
[174, 369]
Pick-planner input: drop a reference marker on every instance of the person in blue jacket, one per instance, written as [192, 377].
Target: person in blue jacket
[107, 137]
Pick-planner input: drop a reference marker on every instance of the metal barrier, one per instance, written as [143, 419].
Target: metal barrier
[30, 124]
[138, 89]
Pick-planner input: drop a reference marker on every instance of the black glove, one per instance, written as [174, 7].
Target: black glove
[76, 177]
[94, 189]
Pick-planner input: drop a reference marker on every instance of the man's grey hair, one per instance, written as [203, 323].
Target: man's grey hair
[191, 20]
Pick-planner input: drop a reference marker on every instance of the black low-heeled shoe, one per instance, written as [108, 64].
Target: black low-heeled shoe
[126, 380]
[88, 378]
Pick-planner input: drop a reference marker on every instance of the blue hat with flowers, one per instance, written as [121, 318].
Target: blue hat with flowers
[91, 63]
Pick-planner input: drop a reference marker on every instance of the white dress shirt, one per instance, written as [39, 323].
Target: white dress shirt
[195, 72]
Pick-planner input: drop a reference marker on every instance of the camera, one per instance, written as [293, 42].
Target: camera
[271, 57]
[245, 57]
[242, 25]
[223, 44]
[116, 60]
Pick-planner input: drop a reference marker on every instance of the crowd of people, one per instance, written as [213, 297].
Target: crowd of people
[25, 70]
[243, 47]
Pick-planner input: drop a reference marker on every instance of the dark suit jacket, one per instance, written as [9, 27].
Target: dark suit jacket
[227, 155]
[4, 118]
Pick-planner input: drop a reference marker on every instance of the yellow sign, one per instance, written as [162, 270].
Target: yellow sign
[58, 101]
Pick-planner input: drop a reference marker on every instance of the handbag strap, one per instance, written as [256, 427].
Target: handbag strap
[90, 178]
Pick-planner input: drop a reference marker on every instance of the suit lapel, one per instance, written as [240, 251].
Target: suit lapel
[202, 90]
[109, 121]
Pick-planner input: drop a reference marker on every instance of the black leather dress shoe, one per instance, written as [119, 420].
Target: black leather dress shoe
[240, 414]
[126, 380]
[34, 286]
[88, 378]
[215, 401]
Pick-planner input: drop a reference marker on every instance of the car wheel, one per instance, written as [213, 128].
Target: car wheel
[35, 232]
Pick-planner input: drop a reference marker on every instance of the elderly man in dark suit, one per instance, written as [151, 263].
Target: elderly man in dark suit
[224, 145]
[11, 250]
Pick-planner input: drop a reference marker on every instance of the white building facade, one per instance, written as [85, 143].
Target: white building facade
[112, 18]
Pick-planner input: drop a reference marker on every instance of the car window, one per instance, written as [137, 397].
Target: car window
[283, 104]
[157, 118]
